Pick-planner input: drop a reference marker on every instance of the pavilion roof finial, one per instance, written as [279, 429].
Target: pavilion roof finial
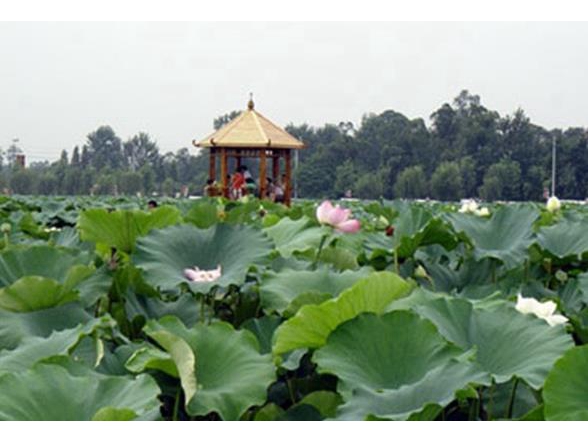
[250, 105]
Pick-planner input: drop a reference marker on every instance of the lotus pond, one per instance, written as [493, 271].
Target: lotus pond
[219, 310]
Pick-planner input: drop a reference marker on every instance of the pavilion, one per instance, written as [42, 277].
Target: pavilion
[252, 135]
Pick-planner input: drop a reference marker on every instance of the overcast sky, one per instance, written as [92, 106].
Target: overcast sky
[60, 81]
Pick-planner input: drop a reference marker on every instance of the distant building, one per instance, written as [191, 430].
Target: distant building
[20, 160]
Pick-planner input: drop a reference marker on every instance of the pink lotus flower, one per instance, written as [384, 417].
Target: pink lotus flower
[197, 275]
[337, 217]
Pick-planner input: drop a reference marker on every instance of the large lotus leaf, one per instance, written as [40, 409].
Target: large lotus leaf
[35, 348]
[32, 293]
[565, 239]
[164, 254]
[506, 236]
[398, 358]
[312, 324]
[232, 376]
[279, 290]
[203, 214]
[121, 228]
[291, 236]
[437, 387]
[14, 327]
[149, 357]
[185, 308]
[49, 392]
[566, 388]
[507, 343]
[417, 227]
[263, 328]
[182, 356]
[45, 261]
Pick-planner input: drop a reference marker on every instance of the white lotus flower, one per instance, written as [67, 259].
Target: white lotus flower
[482, 212]
[553, 204]
[196, 275]
[543, 310]
[468, 206]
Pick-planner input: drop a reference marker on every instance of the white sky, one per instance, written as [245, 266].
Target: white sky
[60, 81]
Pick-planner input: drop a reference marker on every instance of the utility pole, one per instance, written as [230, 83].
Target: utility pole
[553, 148]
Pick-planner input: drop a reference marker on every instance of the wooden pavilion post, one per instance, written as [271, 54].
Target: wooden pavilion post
[237, 159]
[212, 166]
[276, 165]
[262, 174]
[224, 171]
[288, 172]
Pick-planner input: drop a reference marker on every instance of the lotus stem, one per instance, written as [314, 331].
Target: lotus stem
[176, 405]
[318, 253]
[513, 393]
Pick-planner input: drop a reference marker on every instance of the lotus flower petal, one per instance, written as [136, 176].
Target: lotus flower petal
[482, 212]
[323, 211]
[197, 275]
[351, 226]
[543, 310]
[338, 215]
[556, 320]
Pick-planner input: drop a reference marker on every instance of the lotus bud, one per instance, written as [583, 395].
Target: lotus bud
[6, 228]
[561, 276]
[420, 272]
[553, 204]
[382, 222]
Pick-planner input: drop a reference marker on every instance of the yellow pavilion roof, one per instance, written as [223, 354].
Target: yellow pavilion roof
[251, 130]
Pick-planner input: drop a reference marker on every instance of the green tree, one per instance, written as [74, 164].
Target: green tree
[446, 182]
[411, 183]
[346, 178]
[502, 181]
[224, 119]
[369, 186]
[23, 182]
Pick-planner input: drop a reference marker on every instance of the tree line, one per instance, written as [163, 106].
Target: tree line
[466, 151]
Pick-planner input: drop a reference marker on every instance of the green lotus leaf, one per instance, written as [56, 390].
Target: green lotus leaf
[114, 414]
[40, 277]
[340, 258]
[35, 348]
[506, 236]
[417, 227]
[150, 357]
[232, 375]
[326, 402]
[312, 324]
[203, 214]
[14, 327]
[46, 261]
[181, 355]
[263, 328]
[507, 343]
[49, 392]
[566, 389]
[292, 236]
[164, 254]
[121, 228]
[185, 308]
[393, 365]
[437, 387]
[32, 293]
[279, 290]
[564, 239]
